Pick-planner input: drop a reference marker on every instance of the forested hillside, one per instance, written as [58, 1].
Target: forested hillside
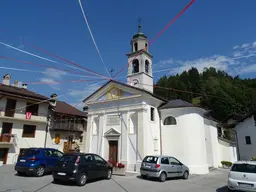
[219, 91]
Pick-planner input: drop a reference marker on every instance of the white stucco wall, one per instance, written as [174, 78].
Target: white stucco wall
[132, 146]
[243, 129]
[18, 121]
[20, 142]
[227, 151]
[186, 140]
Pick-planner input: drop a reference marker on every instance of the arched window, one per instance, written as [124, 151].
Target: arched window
[135, 66]
[170, 121]
[146, 66]
[146, 46]
[135, 46]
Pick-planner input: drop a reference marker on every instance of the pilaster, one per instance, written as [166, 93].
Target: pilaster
[100, 135]
[124, 137]
[87, 142]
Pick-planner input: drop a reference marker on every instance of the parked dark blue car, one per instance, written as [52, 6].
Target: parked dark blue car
[37, 161]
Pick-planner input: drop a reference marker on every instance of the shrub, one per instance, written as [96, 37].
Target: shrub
[226, 163]
[253, 158]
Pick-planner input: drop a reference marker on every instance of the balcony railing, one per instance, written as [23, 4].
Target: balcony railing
[72, 126]
[6, 138]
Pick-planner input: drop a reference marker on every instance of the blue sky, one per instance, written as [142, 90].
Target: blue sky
[216, 33]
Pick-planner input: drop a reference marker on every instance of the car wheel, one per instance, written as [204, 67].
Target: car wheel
[185, 175]
[82, 179]
[39, 171]
[162, 177]
[109, 176]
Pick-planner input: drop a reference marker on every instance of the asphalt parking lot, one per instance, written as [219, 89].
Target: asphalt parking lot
[215, 181]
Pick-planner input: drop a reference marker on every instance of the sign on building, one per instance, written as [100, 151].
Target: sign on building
[113, 120]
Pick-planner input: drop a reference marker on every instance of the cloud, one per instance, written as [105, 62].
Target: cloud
[236, 47]
[54, 74]
[241, 60]
[79, 94]
[248, 69]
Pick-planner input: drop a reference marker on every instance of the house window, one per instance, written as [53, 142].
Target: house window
[29, 131]
[248, 140]
[146, 46]
[146, 66]
[152, 114]
[32, 108]
[170, 121]
[10, 107]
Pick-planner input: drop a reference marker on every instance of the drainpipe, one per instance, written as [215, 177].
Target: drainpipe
[160, 126]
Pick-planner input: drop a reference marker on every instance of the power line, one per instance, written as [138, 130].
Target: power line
[61, 82]
[46, 100]
[42, 65]
[70, 62]
[26, 52]
[43, 72]
[94, 42]
[159, 34]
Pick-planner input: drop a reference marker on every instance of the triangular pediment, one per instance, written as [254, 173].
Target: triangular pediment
[111, 132]
[113, 91]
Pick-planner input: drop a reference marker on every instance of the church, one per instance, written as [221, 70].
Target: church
[127, 121]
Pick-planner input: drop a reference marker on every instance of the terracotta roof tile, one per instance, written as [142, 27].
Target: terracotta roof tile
[64, 108]
[21, 92]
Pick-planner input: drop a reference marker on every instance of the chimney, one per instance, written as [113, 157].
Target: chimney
[6, 79]
[53, 96]
[53, 100]
[16, 83]
[24, 86]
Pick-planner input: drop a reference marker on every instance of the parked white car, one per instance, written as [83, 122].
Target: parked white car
[242, 176]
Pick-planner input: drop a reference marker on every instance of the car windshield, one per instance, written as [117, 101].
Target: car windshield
[69, 158]
[29, 152]
[150, 159]
[246, 168]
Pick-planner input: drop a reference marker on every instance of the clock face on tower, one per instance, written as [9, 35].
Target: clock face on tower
[135, 82]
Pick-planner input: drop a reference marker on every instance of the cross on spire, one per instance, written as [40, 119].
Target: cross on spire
[139, 25]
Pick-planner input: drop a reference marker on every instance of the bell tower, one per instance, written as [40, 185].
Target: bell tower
[140, 68]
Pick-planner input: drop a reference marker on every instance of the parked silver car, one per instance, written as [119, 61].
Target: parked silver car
[242, 176]
[163, 167]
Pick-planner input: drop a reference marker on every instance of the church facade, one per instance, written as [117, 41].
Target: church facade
[126, 122]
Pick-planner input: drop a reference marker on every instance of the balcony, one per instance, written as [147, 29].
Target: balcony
[40, 118]
[68, 126]
[6, 140]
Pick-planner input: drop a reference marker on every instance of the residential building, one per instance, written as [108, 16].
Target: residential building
[126, 122]
[245, 128]
[67, 127]
[23, 119]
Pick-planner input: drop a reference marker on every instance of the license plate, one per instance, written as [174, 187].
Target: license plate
[22, 160]
[61, 173]
[245, 185]
[148, 166]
